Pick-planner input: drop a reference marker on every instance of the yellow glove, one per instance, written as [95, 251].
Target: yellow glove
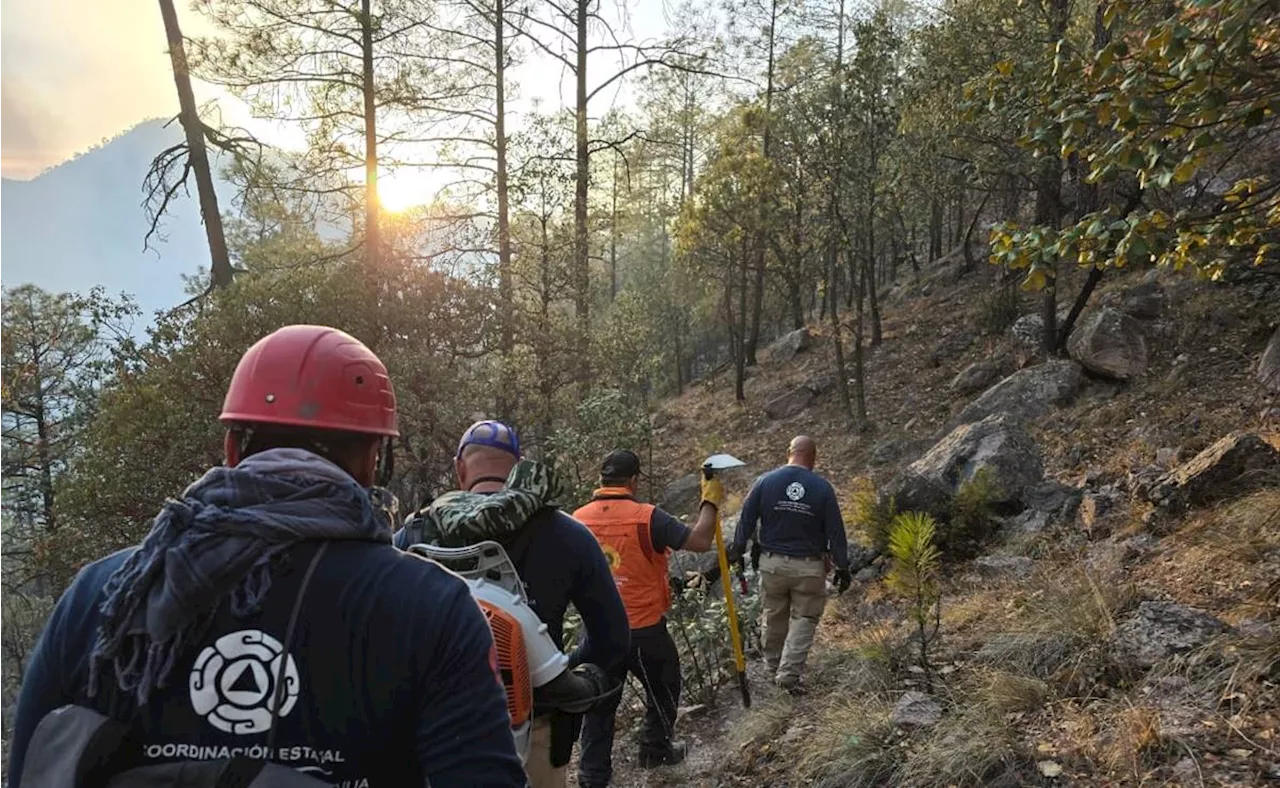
[712, 492]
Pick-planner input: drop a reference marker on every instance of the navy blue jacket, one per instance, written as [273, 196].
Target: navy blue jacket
[396, 685]
[797, 513]
[564, 564]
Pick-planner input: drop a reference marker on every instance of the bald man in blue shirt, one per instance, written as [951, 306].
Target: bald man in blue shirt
[799, 527]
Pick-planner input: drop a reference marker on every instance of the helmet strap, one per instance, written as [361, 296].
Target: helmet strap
[386, 464]
[234, 444]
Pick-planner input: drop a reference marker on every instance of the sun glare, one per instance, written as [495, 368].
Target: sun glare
[403, 189]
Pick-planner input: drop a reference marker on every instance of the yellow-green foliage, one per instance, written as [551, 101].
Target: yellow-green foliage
[914, 575]
[873, 514]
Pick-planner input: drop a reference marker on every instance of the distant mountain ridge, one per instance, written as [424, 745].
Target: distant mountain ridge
[81, 224]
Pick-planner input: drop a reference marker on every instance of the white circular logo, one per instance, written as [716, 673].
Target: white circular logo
[233, 682]
[795, 491]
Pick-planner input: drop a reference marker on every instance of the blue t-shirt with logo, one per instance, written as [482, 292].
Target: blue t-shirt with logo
[797, 514]
[390, 680]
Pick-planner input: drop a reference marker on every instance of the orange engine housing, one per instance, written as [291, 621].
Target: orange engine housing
[513, 662]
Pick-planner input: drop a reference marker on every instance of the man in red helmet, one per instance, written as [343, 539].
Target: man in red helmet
[267, 617]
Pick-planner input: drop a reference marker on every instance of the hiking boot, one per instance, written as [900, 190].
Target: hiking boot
[791, 686]
[674, 754]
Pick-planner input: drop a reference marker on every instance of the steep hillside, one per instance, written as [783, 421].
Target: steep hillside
[81, 224]
[1120, 625]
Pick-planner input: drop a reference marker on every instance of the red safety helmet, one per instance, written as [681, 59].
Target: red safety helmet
[312, 376]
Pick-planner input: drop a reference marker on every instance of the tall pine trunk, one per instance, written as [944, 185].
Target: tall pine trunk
[581, 259]
[859, 372]
[761, 235]
[372, 236]
[831, 292]
[935, 228]
[197, 152]
[506, 286]
[613, 234]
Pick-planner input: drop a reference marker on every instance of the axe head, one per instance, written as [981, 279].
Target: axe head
[720, 462]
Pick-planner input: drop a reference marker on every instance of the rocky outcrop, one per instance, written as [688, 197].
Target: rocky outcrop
[787, 405]
[1145, 301]
[1028, 332]
[1236, 464]
[915, 710]
[682, 495]
[788, 346]
[1110, 343]
[997, 445]
[1057, 501]
[1159, 630]
[975, 377]
[1269, 366]
[1098, 509]
[1029, 393]
[821, 383]
[1003, 567]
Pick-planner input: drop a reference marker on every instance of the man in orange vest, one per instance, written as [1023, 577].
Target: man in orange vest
[636, 538]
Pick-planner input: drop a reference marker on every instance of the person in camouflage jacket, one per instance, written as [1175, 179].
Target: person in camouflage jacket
[515, 502]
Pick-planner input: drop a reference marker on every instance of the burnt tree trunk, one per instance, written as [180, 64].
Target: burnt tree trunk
[197, 152]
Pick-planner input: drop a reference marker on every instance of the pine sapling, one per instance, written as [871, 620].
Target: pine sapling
[914, 575]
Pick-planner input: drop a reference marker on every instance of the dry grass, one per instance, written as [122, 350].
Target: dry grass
[764, 723]
[848, 746]
[1011, 693]
[1225, 559]
[975, 746]
[1058, 635]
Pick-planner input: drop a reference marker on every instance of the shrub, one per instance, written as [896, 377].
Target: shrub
[971, 519]
[997, 310]
[24, 617]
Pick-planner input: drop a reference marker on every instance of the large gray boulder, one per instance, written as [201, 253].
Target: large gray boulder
[1028, 332]
[682, 562]
[1144, 301]
[789, 404]
[975, 377]
[1159, 630]
[1269, 366]
[997, 444]
[789, 345]
[681, 496]
[1108, 342]
[1237, 463]
[1028, 394]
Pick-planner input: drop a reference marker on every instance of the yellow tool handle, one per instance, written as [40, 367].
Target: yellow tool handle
[740, 660]
[727, 583]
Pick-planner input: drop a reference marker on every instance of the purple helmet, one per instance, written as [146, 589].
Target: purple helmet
[490, 433]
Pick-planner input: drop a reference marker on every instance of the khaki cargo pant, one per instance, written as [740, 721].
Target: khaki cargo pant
[795, 594]
[538, 769]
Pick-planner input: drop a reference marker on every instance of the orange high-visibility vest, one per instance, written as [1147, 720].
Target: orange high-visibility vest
[621, 526]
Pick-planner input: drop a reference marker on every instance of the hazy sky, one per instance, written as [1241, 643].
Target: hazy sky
[77, 71]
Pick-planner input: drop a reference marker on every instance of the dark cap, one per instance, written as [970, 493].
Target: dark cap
[620, 464]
